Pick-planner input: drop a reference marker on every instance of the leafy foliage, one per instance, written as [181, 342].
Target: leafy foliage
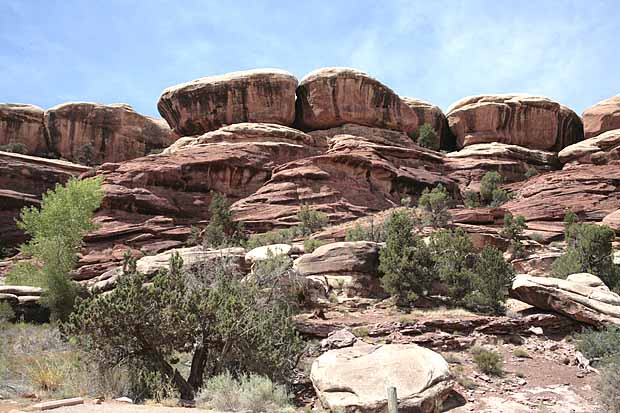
[222, 231]
[531, 171]
[372, 232]
[513, 230]
[427, 137]
[489, 183]
[405, 261]
[15, 147]
[311, 220]
[224, 323]
[6, 312]
[589, 250]
[86, 155]
[281, 236]
[599, 345]
[488, 361]
[609, 387]
[492, 279]
[471, 199]
[434, 205]
[311, 244]
[56, 232]
[453, 257]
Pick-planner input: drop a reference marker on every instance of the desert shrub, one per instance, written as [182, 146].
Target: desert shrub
[531, 171]
[85, 155]
[491, 281]
[453, 256]
[471, 199]
[6, 312]
[311, 244]
[221, 321]
[405, 262]
[372, 232]
[427, 137]
[281, 236]
[222, 231]
[489, 183]
[589, 250]
[513, 230]
[56, 231]
[488, 361]
[15, 147]
[609, 388]
[538, 237]
[499, 197]
[521, 353]
[599, 345]
[434, 205]
[252, 393]
[311, 220]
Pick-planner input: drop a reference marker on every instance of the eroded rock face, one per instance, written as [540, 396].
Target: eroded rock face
[23, 179]
[433, 115]
[203, 105]
[582, 297]
[602, 117]
[91, 133]
[355, 378]
[23, 124]
[333, 96]
[359, 174]
[530, 121]
[591, 191]
[350, 267]
[598, 150]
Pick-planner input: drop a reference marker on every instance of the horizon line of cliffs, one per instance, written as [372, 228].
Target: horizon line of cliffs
[326, 98]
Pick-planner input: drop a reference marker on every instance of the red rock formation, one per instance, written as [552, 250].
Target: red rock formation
[529, 121]
[602, 117]
[23, 179]
[23, 124]
[333, 96]
[93, 133]
[601, 149]
[588, 190]
[203, 105]
[433, 115]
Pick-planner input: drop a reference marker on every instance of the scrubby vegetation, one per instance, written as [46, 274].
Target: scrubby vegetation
[513, 230]
[427, 137]
[86, 154]
[15, 147]
[56, 231]
[600, 346]
[488, 361]
[222, 231]
[221, 322]
[471, 199]
[372, 232]
[531, 171]
[409, 267]
[311, 244]
[434, 206]
[490, 191]
[589, 249]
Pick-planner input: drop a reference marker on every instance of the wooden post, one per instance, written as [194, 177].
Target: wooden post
[392, 400]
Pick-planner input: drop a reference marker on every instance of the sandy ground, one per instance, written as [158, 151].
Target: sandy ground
[107, 408]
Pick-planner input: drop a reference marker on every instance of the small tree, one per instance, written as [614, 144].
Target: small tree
[311, 220]
[471, 199]
[372, 232]
[427, 137]
[513, 230]
[434, 205]
[222, 231]
[454, 257]
[56, 231]
[589, 250]
[492, 279]
[223, 322]
[405, 261]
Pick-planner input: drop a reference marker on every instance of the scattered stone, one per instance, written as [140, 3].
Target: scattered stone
[338, 339]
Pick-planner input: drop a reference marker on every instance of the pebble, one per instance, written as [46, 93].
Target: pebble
[124, 400]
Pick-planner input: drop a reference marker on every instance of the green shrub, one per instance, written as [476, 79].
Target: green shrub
[56, 231]
[520, 353]
[311, 220]
[488, 361]
[219, 320]
[434, 205]
[589, 250]
[471, 199]
[372, 232]
[490, 182]
[499, 197]
[251, 393]
[311, 244]
[609, 387]
[6, 312]
[427, 137]
[405, 262]
[281, 236]
[222, 231]
[492, 279]
[531, 171]
[599, 345]
[513, 230]
[453, 256]
[15, 147]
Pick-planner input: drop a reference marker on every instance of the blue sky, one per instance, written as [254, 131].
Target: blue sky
[129, 50]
